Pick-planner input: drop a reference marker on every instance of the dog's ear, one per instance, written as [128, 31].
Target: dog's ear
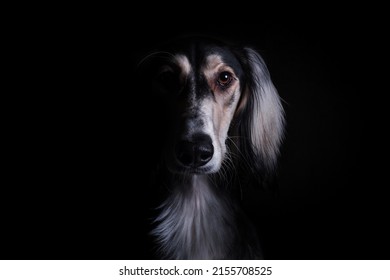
[261, 123]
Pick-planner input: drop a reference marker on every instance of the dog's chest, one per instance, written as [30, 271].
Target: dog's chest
[195, 223]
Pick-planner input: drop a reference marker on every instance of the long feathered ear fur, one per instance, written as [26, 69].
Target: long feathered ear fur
[261, 116]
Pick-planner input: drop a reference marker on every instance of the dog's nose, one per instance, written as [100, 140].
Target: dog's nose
[195, 152]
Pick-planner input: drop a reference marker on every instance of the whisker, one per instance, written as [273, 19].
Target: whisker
[238, 149]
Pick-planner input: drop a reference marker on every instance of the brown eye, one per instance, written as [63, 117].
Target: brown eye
[224, 79]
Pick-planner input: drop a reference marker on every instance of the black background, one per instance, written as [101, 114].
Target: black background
[76, 186]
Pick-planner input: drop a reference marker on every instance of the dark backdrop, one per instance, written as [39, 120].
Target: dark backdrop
[79, 193]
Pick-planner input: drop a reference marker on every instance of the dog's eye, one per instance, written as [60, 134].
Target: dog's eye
[168, 80]
[224, 79]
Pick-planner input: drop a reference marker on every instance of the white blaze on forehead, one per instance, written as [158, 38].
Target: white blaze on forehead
[184, 64]
[213, 64]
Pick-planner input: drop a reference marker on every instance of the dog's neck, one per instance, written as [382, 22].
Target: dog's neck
[195, 221]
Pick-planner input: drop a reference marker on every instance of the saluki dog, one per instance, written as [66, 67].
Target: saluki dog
[220, 125]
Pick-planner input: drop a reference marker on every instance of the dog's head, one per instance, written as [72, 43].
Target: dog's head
[212, 100]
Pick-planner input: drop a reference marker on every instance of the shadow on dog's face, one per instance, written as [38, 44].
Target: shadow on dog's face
[195, 91]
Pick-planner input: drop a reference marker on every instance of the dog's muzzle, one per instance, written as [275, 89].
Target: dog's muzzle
[195, 152]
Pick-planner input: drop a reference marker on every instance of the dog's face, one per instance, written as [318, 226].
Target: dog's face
[201, 85]
[199, 88]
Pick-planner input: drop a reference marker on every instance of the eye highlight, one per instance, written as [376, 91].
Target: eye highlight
[224, 79]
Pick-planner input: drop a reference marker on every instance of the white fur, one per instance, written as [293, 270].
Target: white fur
[194, 222]
[184, 64]
[268, 115]
[216, 117]
[209, 129]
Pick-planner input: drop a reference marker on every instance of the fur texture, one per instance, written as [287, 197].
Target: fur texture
[222, 123]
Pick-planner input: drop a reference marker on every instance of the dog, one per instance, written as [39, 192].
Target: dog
[218, 126]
